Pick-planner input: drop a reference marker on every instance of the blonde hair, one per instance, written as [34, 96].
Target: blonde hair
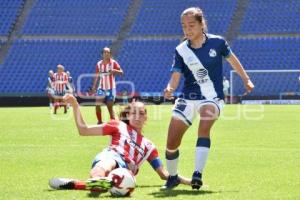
[198, 14]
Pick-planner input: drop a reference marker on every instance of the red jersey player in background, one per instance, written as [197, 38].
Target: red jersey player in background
[128, 148]
[106, 70]
[60, 86]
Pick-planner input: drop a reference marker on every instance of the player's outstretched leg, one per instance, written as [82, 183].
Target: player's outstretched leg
[62, 183]
[101, 183]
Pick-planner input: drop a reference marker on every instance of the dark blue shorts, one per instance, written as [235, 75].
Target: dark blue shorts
[109, 95]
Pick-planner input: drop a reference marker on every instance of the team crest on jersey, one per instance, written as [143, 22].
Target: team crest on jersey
[212, 53]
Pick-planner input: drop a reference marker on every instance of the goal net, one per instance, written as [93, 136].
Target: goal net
[277, 85]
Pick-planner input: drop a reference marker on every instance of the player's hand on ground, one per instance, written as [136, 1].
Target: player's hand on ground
[132, 167]
[168, 93]
[184, 180]
[69, 98]
[249, 86]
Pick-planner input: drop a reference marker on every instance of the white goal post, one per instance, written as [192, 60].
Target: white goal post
[267, 83]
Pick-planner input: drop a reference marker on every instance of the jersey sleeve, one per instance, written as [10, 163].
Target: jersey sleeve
[225, 49]
[116, 66]
[178, 63]
[110, 128]
[154, 159]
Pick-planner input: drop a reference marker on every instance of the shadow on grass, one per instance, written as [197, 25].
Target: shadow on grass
[174, 193]
[148, 186]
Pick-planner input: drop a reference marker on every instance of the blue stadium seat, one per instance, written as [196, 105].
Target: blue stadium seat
[147, 63]
[272, 17]
[268, 53]
[30, 60]
[76, 17]
[163, 19]
[9, 11]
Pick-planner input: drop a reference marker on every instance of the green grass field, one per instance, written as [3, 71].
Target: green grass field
[250, 158]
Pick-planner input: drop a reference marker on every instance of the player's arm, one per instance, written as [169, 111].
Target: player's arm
[117, 70]
[163, 173]
[95, 81]
[82, 127]
[157, 165]
[176, 70]
[172, 85]
[237, 66]
[49, 83]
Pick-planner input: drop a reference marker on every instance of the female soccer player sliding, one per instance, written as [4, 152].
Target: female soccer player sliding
[128, 148]
[199, 60]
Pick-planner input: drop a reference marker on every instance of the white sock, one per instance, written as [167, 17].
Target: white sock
[201, 158]
[172, 163]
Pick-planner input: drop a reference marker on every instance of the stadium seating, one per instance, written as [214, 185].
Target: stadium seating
[9, 11]
[76, 17]
[146, 60]
[1, 43]
[271, 53]
[163, 19]
[147, 64]
[269, 84]
[268, 53]
[26, 67]
[272, 17]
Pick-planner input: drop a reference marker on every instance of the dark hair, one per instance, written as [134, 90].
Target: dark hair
[123, 116]
[198, 14]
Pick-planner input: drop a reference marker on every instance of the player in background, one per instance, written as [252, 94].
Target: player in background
[60, 88]
[49, 89]
[70, 85]
[199, 60]
[226, 86]
[106, 70]
[128, 148]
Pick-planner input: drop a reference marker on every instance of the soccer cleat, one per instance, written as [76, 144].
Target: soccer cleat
[171, 183]
[99, 183]
[61, 183]
[196, 180]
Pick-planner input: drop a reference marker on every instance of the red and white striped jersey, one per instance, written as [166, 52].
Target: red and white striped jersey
[107, 80]
[133, 146]
[60, 81]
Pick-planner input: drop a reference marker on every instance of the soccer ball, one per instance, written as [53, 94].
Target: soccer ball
[123, 182]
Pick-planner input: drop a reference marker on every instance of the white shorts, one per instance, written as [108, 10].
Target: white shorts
[186, 110]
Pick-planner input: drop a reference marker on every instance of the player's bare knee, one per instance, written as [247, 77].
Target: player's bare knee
[97, 171]
[173, 145]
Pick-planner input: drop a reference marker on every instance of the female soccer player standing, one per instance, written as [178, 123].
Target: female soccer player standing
[106, 70]
[199, 60]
